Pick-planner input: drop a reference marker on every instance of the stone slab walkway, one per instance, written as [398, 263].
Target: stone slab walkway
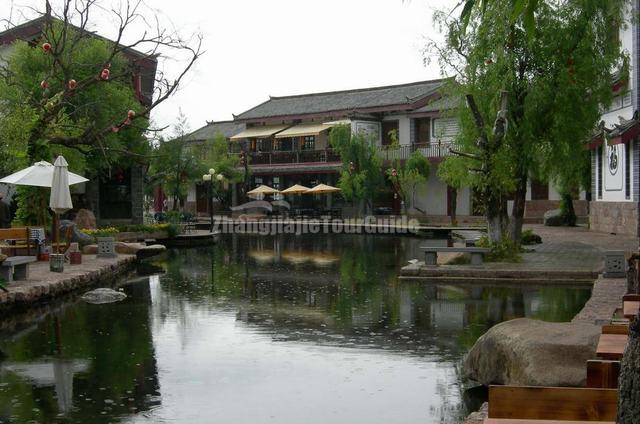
[571, 251]
[43, 284]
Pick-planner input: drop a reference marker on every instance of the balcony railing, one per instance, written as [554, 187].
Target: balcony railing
[429, 150]
[302, 156]
[387, 153]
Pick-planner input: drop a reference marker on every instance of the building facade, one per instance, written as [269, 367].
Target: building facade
[615, 149]
[286, 141]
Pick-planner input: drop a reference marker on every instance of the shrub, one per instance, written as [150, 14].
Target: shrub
[101, 232]
[504, 251]
[528, 238]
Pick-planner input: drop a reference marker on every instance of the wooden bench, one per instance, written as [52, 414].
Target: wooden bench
[477, 253]
[15, 268]
[603, 374]
[611, 346]
[21, 238]
[615, 328]
[552, 403]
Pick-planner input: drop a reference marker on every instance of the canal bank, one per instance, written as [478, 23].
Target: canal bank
[42, 284]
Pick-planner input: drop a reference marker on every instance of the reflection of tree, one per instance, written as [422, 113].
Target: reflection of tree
[115, 343]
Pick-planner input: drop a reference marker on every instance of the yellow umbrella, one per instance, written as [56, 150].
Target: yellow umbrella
[263, 189]
[322, 188]
[296, 189]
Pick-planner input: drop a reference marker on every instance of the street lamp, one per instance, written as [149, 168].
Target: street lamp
[209, 179]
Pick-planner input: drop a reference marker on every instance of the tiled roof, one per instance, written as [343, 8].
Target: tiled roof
[227, 128]
[348, 100]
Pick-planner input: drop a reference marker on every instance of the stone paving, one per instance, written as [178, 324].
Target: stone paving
[574, 252]
[42, 284]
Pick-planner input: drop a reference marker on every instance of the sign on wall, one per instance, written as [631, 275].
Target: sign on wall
[614, 175]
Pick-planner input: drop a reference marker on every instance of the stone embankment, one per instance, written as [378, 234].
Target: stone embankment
[43, 284]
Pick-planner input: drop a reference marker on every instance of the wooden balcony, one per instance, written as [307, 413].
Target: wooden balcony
[387, 153]
[429, 150]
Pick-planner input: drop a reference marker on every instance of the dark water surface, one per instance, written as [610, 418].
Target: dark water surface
[263, 330]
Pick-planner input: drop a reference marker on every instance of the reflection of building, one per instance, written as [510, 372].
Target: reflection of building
[58, 373]
[116, 196]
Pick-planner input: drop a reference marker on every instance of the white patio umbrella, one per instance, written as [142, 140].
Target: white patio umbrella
[60, 199]
[40, 174]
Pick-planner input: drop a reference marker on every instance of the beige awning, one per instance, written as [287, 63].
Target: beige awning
[259, 132]
[303, 129]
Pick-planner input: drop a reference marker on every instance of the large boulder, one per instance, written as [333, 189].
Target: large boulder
[553, 218]
[528, 352]
[103, 295]
[85, 220]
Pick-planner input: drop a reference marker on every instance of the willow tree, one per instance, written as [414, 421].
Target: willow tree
[554, 83]
[361, 175]
[69, 91]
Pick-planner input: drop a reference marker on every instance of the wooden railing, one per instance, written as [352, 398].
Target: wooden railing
[387, 153]
[429, 150]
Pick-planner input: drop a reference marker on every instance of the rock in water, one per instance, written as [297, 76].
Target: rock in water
[149, 251]
[526, 352]
[103, 295]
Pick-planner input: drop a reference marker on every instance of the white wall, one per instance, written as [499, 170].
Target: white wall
[431, 197]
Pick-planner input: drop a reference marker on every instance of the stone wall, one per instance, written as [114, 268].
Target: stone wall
[537, 208]
[614, 217]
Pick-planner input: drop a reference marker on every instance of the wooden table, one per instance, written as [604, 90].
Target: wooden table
[611, 346]
[513, 421]
[630, 308]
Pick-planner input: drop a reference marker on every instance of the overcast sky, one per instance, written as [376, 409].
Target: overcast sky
[257, 48]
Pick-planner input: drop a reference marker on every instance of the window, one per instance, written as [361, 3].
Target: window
[423, 133]
[445, 128]
[283, 144]
[627, 170]
[599, 171]
[309, 142]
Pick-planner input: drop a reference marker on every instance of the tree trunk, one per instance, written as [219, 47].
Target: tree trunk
[454, 204]
[494, 213]
[629, 390]
[517, 212]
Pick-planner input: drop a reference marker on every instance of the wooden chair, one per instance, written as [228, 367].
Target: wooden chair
[21, 239]
[551, 403]
[603, 374]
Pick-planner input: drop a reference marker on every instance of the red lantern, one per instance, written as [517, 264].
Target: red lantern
[105, 74]
[46, 47]
[115, 129]
[127, 121]
[394, 173]
[44, 84]
[131, 114]
[72, 84]
[488, 62]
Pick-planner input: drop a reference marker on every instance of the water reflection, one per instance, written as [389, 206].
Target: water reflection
[262, 329]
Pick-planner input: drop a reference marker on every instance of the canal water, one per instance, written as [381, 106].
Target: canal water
[263, 330]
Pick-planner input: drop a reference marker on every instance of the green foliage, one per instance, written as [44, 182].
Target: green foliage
[215, 154]
[570, 56]
[36, 121]
[360, 177]
[408, 175]
[503, 251]
[529, 237]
